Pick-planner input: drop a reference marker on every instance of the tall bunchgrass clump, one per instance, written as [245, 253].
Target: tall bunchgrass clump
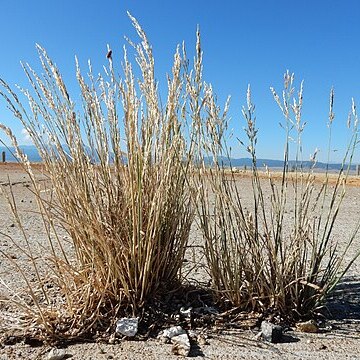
[118, 187]
[279, 256]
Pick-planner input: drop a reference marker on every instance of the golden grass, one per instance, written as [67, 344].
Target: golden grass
[267, 258]
[128, 173]
[118, 170]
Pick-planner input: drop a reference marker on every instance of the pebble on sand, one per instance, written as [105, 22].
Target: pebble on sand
[127, 326]
[57, 354]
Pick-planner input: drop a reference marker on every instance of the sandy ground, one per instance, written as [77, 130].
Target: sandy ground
[340, 338]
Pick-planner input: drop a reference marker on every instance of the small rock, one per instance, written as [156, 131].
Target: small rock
[12, 225]
[322, 347]
[179, 339]
[270, 332]
[181, 345]
[307, 326]
[173, 331]
[127, 326]
[57, 354]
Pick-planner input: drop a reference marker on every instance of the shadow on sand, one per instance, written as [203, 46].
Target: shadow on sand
[343, 306]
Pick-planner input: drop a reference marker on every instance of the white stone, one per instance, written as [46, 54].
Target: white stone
[127, 326]
[173, 331]
[56, 354]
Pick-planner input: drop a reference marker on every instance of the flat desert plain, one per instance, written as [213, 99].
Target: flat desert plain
[339, 337]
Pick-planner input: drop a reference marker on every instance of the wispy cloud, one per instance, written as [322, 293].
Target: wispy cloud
[26, 138]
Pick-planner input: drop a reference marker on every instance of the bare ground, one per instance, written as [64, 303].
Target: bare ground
[338, 339]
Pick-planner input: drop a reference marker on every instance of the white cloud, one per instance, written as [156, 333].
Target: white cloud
[26, 137]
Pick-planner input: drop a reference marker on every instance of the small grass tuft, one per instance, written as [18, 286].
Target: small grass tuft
[279, 256]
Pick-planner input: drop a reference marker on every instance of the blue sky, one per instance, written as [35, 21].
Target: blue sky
[243, 42]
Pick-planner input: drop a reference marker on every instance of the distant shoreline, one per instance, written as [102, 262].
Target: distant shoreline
[238, 163]
[276, 173]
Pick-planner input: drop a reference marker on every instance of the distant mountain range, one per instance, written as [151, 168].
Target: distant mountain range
[33, 156]
[242, 162]
[29, 150]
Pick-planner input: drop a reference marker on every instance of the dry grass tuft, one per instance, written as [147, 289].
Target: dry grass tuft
[118, 170]
[268, 258]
